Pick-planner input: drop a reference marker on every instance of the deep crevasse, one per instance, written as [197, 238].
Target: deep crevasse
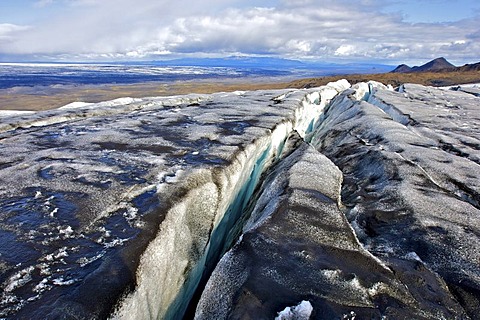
[195, 228]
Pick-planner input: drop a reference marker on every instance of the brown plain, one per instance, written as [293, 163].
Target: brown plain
[44, 98]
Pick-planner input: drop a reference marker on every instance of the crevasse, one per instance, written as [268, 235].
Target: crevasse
[197, 230]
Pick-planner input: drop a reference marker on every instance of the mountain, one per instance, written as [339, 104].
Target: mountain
[403, 68]
[470, 67]
[438, 64]
[434, 65]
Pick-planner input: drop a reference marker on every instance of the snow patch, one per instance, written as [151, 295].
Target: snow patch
[66, 231]
[9, 113]
[62, 282]
[42, 286]
[75, 105]
[413, 256]
[118, 102]
[19, 279]
[131, 213]
[302, 311]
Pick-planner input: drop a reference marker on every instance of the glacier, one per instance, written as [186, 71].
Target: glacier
[341, 201]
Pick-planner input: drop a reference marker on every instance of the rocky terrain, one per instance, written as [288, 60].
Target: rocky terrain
[438, 72]
[436, 65]
[340, 202]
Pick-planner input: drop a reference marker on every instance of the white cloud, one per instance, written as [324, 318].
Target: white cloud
[9, 32]
[325, 30]
[43, 3]
[345, 50]
[6, 28]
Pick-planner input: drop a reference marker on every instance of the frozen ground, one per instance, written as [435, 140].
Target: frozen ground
[338, 201]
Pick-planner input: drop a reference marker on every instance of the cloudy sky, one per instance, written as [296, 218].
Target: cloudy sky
[387, 31]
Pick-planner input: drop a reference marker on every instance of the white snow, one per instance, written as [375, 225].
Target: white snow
[413, 256]
[42, 286]
[131, 213]
[83, 261]
[60, 253]
[8, 113]
[62, 282]
[66, 231]
[302, 311]
[114, 243]
[467, 85]
[19, 279]
[75, 105]
[118, 102]
[339, 85]
[351, 316]
[54, 212]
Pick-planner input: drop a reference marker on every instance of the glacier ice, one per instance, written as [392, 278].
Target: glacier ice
[348, 197]
[114, 179]
[409, 162]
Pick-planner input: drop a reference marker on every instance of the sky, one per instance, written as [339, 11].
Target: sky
[387, 31]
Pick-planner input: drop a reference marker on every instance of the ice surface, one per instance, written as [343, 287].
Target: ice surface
[294, 237]
[411, 163]
[129, 204]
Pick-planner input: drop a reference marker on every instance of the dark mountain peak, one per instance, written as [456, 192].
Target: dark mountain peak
[403, 68]
[441, 60]
[437, 64]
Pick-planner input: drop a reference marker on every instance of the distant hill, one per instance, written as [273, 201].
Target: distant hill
[470, 67]
[436, 65]
[439, 64]
[403, 68]
[469, 73]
